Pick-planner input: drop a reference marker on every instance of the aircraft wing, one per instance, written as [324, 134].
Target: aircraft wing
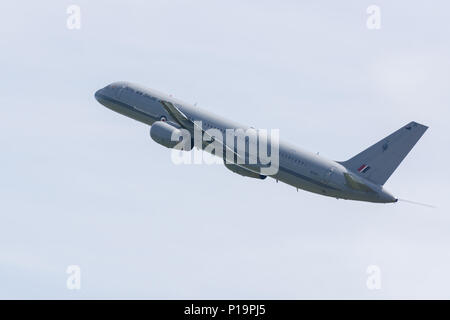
[187, 123]
[177, 114]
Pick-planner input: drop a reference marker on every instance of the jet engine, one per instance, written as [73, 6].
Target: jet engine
[243, 172]
[162, 132]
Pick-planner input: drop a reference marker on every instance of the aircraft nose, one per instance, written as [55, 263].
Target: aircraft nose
[98, 95]
[101, 96]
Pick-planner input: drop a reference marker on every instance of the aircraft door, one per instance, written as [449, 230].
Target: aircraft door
[328, 174]
[119, 92]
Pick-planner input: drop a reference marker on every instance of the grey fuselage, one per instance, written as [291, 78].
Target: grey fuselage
[301, 169]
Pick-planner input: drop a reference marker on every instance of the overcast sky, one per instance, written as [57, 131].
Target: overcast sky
[82, 185]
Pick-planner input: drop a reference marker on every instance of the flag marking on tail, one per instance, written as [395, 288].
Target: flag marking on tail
[364, 168]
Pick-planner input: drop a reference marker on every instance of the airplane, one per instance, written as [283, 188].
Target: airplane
[360, 178]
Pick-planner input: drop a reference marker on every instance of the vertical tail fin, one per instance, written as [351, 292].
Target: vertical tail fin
[378, 162]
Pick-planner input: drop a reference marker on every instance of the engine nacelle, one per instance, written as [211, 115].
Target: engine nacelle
[244, 172]
[162, 133]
